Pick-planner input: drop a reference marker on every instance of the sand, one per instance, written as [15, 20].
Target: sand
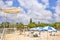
[43, 36]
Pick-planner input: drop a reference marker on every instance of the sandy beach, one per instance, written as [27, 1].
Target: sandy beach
[43, 36]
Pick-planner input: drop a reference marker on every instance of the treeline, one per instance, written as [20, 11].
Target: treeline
[55, 25]
[30, 25]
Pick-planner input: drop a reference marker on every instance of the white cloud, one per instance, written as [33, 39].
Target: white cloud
[26, 3]
[57, 14]
[1, 3]
[9, 3]
[23, 18]
[57, 17]
[46, 2]
[36, 11]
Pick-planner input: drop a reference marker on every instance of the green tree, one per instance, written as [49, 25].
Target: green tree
[57, 25]
[21, 25]
[11, 25]
[32, 25]
[7, 24]
[4, 24]
[1, 26]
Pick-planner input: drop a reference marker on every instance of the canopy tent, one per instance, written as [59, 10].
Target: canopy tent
[40, 28]
[46, 28]
[33, 29]
[49, 28]
[37, 29]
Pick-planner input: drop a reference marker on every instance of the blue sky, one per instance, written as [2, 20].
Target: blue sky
[42, 8]
[52, 3]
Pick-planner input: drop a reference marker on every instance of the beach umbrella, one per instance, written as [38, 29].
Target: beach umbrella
[40, 28]
[48, 28]
[53, 29]
[33, 29]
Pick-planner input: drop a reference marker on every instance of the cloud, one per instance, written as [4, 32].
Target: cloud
[36, 11]
[23, 18]
[26, 3]
[57, 14]
[1, 3]
[46, 2]
[9, 3]
[5, 4]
